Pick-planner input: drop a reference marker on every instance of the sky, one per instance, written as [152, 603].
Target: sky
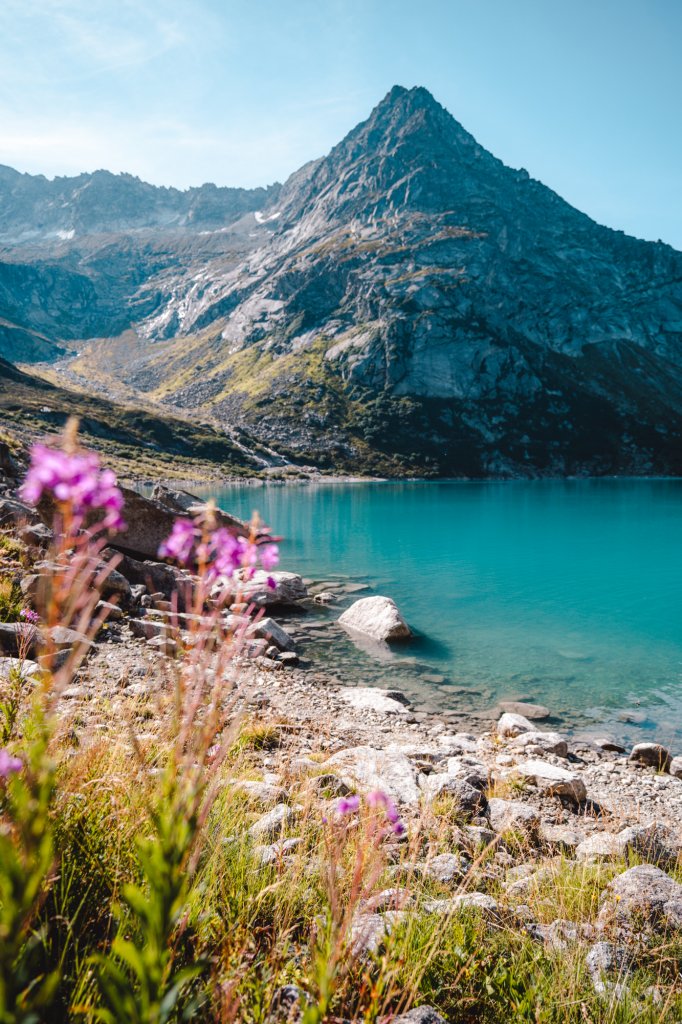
[585, 94]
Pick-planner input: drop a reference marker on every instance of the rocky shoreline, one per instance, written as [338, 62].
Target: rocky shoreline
[528, 802]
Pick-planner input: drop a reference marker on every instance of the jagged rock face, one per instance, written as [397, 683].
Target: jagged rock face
[409, 303]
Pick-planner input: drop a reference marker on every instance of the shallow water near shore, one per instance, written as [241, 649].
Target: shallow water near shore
[566, 593]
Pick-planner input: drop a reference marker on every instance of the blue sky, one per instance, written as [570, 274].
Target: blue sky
[583, 93]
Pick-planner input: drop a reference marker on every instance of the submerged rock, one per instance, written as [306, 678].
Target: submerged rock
[372, 699]
[377, 617]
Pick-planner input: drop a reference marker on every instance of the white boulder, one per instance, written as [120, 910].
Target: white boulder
[377, 617]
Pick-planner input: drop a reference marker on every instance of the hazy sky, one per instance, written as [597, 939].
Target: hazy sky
[583, 93]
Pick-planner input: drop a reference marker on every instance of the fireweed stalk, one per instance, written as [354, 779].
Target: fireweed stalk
[87, 507]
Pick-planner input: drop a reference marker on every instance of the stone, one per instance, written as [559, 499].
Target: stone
[528, 711]
[653, 755]
[111, 612]
[270, 854]
[445, 868]
[368, 769]
[377, 617]
[154, 577]
[325, 597]
[561, 837]
[13, 512]
[14, 635]
[261, 792]
[21, 667]
[676, 767]
[643, 896]
[479, 836]
[368, 932]
[511, 725]
[289, 589]
[540, 743]
[268, 629]
[607, 742]
[287, 1005]
[654, 843]
[552, 780]
[603, 846]
[273, 823]
[419, 1015]
[372, 699]
[148, 629]
[469, 770]
[479, 901]
[506, 815]
[466, 796]
[605, 959]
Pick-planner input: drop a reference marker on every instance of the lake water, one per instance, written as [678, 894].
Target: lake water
[566, 593]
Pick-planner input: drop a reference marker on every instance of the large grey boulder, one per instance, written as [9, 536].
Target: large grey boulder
[655, 843]
[643, 896]
[603, 846]
[552, 780]
[368, 769]
[377, 617]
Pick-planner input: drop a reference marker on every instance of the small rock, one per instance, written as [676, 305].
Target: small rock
[273, 823]
[288, 1003]
[511, 725]
[552, 780]
[653, 755]
[261, 792]
[18, 667]
[512, 814]
[467, 796]
[367, 769]
[540, 743]
[369, 698]
[325, 597]
[654, 843]
[676, 767]
[276, 851]
[445, 868]
[419, 1015]
[604, 959]
[603, 846]
[643, 895]
[268, 629]
[561, 837]
[465, 901]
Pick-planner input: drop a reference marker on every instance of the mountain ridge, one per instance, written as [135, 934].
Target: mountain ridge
[408, 303]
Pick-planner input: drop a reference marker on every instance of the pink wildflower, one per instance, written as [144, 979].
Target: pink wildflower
[180, 542]
[269, 556]
[8, 764]
[74, 478]
[348, 805]
[380, 799]
[28, 615]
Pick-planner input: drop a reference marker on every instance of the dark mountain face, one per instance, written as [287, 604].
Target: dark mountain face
[408, 304]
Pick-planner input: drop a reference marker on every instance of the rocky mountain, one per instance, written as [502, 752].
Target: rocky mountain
[405, 304]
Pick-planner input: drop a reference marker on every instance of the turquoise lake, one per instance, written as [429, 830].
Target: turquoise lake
[567, 593]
